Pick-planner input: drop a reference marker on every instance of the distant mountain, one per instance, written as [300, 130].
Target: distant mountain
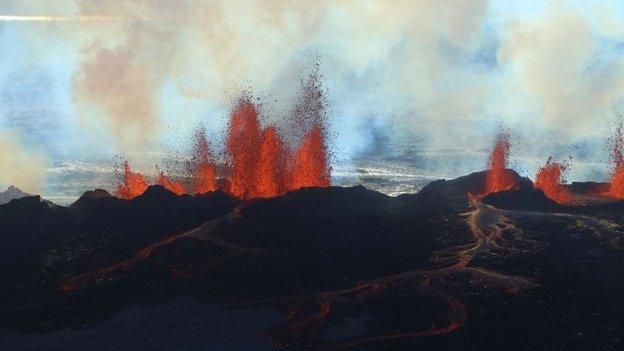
[12, 193]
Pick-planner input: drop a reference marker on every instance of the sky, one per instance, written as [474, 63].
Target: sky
[415, 89]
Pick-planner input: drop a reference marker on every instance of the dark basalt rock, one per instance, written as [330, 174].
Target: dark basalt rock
[77, 267]
[91, 196]
[587, 187]
[322, 237]
[455, 192]
[524, 197]
[335, 201]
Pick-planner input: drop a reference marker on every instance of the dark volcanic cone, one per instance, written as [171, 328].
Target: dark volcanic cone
[523, 198]
[457, 191]
[93, 198]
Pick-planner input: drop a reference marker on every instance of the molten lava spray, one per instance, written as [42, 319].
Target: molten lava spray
[271, 163]
[309, 162]
[133, 184]
[259, 163]
[243, 145]
[549, 179]
[498, 177]
[310, 165]
[262, 165]
[203, 169]
[616, 188]
[175, 187]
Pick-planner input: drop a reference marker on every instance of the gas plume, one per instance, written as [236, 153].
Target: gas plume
[19, 167]
[422, 69]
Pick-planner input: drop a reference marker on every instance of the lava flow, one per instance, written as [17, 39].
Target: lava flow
[549, 179]
[616, 188]
[498, 177]
[133, 185]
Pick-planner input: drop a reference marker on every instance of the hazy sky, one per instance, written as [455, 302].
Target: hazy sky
[84, 81]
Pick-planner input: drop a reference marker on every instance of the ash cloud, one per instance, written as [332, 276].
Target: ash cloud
[557, 60]
[205, 49]
[19, 166]
[441, 75]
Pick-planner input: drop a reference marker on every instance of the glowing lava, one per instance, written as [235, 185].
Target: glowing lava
[261, 166]
[175, 187]
[310, 165]
[243, 145]
[271, 162]
[498, 177]
[133, 184]
[616, 188]
[258, 161]
[549, 179]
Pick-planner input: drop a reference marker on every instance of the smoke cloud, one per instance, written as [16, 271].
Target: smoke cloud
[437, 76]
[18, 166]
[209, 49]
[558, 61]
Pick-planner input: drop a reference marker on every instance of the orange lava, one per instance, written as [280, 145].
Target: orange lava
[259, 161]
[310, 164]
[549, 179]
[269, 171]
[498, 177]
[243, 145]
[133, 184]
[261, 166]
[616, 188]
[204, 170]
[175, 187]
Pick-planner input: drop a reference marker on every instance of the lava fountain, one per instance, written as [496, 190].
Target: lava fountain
[498, 177]
[271, 162]
[133, 184]
[262, 165]
[616, 188]
[242, 146]
[258, 163]
[550, 178]
[310, 165]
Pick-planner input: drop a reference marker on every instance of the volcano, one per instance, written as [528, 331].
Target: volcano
[321, 268]
[11, 193]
